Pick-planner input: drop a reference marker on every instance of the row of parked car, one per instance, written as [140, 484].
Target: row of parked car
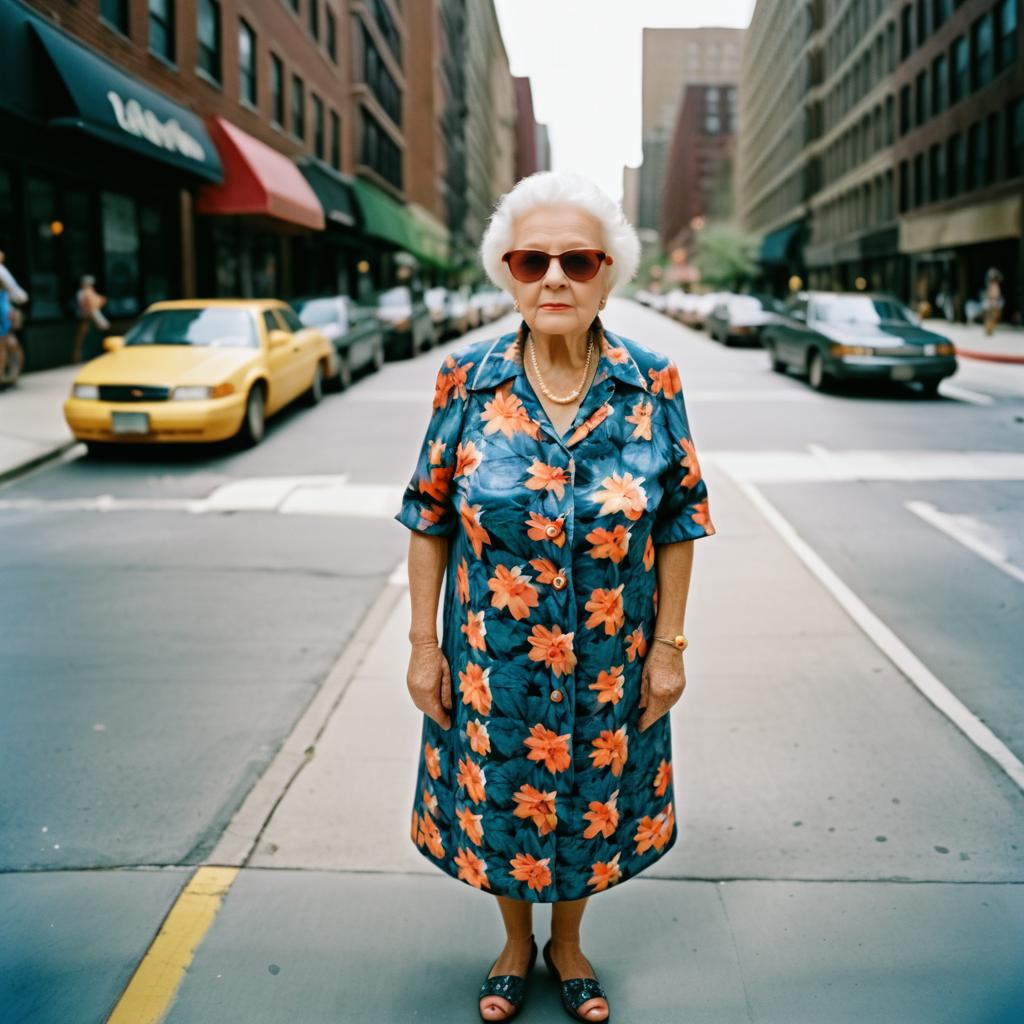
[825, 336]
[208, 370]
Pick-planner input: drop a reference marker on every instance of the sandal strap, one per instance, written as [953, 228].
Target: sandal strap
[576, 991]
[509, 986]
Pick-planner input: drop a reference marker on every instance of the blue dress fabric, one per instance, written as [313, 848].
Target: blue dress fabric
[543, 789]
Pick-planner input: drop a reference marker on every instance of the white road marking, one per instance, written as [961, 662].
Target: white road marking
[964, 394]
[967, 531]
[890, 644]
[372, 501]
[264, 494]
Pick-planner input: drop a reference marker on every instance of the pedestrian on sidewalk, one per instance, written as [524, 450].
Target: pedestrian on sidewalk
[992, 304]
[556, 496]
[12, 295]
[89, 304]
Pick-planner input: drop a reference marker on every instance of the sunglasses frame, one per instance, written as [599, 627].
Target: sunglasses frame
[602, 257]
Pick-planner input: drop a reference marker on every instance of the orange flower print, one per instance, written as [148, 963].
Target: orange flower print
[436, 449]
[641, 420]
[467, 458]
[550, 748]
[662, 777]
[610, 750]
[511, 353]
[690, 463]
[527, 868]
[475, 687]
[536, 806]
[471, 779]
[603, 818]
[505, 413]
[538, 529]
[462, 582]
[609, 686]
[666, 381]
[702, 517]
[655, 832]
[432, 759]
[636, 645]
[439, 484]
[471, 824]
[513, 590]
[622, 493]
[616, 354]
[605, 607]
[451, 380]
[431, 515]
[605, 873]
[472, 869]
[547, 478]
[546, 569]
[431, 835]
[479, 738]
[475, 629]
[594, 420]
[649, 554]
[554, 648]
[430, 801]
[414, 831]
[477, 535]
[612, 544]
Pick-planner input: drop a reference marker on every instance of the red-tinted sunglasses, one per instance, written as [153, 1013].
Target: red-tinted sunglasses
[529, 265]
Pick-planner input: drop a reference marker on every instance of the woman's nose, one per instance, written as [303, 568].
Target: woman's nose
[555, 276]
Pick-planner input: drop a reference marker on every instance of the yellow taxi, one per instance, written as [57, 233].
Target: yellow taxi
[199, 370]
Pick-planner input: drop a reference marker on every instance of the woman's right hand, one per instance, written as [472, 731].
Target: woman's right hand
[430, 682]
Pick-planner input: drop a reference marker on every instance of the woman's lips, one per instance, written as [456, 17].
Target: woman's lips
[555, 305]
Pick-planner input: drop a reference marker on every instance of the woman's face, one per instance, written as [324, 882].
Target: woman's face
[556, 304]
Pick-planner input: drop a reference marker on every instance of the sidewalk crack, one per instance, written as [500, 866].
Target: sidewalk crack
[736, 954]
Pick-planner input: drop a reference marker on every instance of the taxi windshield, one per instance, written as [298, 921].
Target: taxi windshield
[205, 327]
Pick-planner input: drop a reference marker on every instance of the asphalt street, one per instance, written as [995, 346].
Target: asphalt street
[183, 629]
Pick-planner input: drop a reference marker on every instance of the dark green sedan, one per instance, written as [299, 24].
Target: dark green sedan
[856, 336]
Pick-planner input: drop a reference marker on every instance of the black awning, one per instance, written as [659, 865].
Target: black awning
[101, 99]
[333, 191]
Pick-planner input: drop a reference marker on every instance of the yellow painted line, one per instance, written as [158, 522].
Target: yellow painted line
[151, 990]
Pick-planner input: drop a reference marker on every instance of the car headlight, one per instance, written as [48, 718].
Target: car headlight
[194, 392]
[85, 391]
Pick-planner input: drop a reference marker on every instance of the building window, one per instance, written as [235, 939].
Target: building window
[979, 167]
[318, 125]
[943, 12]
[904, 186]
[120, 254]
[940, 84]
[982, 55]
[314, 18]
[1015, 138]
[921, 98]
[294, 4]
[209, 38]
[1007, 47]
[956, 151]
[919, 192]
[161, 28]
[378, 149]
[937, 173]
[382, 16]
[247, 62]
[905, 124]
[379, 80]
[331, 27]
[335, 141]
[298, 108]
[115, 14]
[276, 90]
[924, 18]
[960, 66]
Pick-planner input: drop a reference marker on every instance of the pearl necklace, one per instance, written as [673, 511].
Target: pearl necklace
[573, 395]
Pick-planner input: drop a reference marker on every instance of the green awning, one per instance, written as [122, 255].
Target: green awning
[384, 218]
[777, 246]
[334, 192]
[432, 237]
[93, 95]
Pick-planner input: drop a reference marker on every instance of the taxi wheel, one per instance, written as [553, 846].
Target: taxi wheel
[254, 421]
[816, 375]
[316, 389]
[344, 378]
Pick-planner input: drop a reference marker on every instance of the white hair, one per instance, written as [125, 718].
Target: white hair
[558, 188]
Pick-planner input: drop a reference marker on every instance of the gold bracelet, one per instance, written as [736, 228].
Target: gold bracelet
[679, 642]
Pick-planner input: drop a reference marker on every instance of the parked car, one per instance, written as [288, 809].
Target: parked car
[677, 302]
[354, 330]
[696, 313]
[491, 303]
[832, 336]
[198, 370]
[408, 328]
[740, 318]
[436, 300]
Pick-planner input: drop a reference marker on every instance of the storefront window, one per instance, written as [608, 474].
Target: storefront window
[120, 255]
[44, 281]
[79, 240]
[6, 212]
[156, 256]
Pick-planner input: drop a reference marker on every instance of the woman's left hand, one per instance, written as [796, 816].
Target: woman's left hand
[661, 683]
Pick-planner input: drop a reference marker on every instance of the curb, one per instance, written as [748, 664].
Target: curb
[36, 461]
[989, 357]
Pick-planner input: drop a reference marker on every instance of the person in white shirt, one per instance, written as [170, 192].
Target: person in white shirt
[12, 358]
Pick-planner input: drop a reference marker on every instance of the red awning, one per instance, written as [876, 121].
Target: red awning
[257, 180]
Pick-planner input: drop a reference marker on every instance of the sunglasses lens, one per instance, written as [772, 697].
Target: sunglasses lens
[527, 265]
[580, 266]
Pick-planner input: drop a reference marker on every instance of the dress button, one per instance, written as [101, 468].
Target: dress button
[559, 582]
[553, 529]
[556, 695]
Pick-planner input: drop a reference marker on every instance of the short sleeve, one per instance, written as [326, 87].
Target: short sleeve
[683, 513]
[427, 503]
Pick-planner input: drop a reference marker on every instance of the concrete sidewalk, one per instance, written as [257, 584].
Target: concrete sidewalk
[32, 427]
[1005, 345]
[846, 853]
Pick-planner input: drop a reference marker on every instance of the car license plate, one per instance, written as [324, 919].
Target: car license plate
[902, 373]
[130, 422]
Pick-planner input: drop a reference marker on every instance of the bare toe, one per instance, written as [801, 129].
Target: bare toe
[495, 1008]
[593, 1009]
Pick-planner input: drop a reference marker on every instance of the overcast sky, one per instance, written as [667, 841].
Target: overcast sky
[583, 58]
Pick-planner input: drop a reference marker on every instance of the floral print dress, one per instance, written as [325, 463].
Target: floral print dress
[543, 789]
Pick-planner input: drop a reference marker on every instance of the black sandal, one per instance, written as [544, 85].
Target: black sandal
[576, 991]
[509, 986]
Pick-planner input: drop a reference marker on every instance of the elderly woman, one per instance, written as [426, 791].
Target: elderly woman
[557, 493]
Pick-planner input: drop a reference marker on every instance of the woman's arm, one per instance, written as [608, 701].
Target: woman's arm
[429, 677]
[664, 677]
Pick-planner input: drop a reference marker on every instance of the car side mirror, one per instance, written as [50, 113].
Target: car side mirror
[113, 343]
[278, 338]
